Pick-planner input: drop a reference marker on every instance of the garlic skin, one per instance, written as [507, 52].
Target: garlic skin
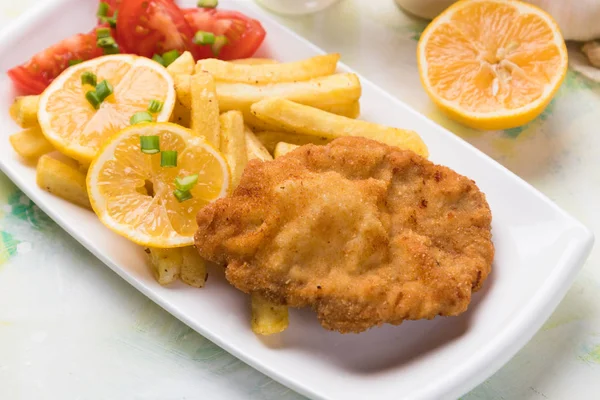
[428, 9]
[578, 20]
[592, 51]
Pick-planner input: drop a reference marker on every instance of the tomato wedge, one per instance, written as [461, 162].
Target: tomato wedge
[244, 34]
[145, 27]
[148, 27]
[35, 75]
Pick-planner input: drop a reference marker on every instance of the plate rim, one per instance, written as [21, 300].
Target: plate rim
[471, 373]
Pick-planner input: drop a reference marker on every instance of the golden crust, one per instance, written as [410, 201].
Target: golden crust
[362, 232]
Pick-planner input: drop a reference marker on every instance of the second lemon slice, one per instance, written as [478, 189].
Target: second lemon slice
[72, 124]
[492, 64]
[134, 195]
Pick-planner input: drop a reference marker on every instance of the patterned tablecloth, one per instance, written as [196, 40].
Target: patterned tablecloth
[72, 329]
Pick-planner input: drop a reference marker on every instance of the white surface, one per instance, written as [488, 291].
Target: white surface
[539, 251]
[296, 7]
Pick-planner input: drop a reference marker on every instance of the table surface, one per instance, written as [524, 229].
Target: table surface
[72, 329]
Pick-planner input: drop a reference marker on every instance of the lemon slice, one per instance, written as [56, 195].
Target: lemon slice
[492, 64]
[78, 130]
[133, 194]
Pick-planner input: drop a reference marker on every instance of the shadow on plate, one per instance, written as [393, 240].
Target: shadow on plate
[379, 348]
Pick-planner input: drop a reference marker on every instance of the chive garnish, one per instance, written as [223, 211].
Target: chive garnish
[155, 106]
[93, 99]
[169, 57]
[88, 78]
[216, 47]
[168, 158]
[149, 144]
[182, 196]
[140, 117]
[207, 3]
[186, 183]
[103, 90]
[203, 38]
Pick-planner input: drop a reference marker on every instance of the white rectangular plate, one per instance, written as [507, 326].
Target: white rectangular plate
[539, 250]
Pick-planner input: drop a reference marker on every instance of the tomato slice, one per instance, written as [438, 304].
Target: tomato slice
[148, 27]
[35, 75]
[245, 34]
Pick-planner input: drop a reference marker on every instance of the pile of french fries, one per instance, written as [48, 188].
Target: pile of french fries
[248, 109]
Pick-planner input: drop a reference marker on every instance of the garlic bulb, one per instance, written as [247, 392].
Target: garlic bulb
[427, 9]
[592, 51]
[578, 20]
[582, 63]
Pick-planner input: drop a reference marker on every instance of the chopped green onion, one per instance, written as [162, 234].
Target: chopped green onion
[102, 33]
[114, 49]
[112, 21]
[74, 62]
[88, 78]
[103, 90]
[220, 41]
[202, 38]
[155, 106]
[149, 144]
[158, 59]
[93, 99]
[140, 117]
[102, 10]
[182, 196]
[170, 56]
[106, 42]
[186, 183]
[168, 158]
[208, 3]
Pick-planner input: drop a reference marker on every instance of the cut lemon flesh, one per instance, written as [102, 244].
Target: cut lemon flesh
[492, 64]
[134, 196]
[72, 124]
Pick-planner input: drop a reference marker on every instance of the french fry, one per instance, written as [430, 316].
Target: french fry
[261, 74]
[24, 111]
[83, 168]
[180, 114]
[255, 61]
[165, 264]
[256, 123]
[193, 267]
[204, 117]
[30, 143]
[283, 148]
[184, 64]
[267, 318]
[182, 83]
[350, 110]
[63, 180]
[320, 92]
[269, 139]
[335, 93]
[254, 148]
[301, 119]
[233, 144]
